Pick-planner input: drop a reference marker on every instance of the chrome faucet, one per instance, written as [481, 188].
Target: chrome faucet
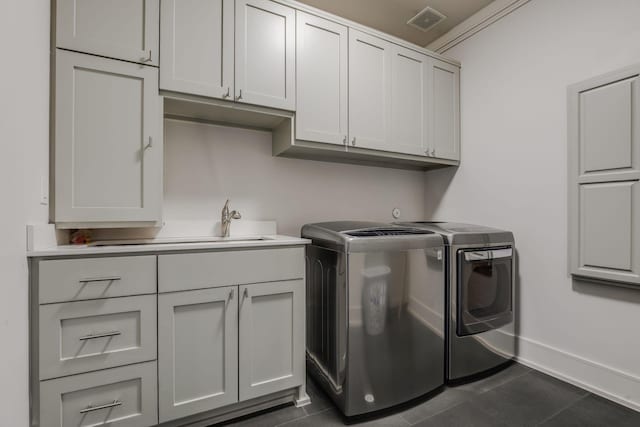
[226, 219]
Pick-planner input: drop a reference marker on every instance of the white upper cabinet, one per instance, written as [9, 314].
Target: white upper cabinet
[409, 101]
[108, 141]
[321, 57]
[122, 29]
[265, 54]
[445, 114]
[197, 47]
[369, 91]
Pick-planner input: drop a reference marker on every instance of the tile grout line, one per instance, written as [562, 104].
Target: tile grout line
[567, 406]
[303, 417]
[469, 399]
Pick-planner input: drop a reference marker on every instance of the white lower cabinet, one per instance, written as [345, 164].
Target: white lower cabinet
[198, 348]
[271, 337]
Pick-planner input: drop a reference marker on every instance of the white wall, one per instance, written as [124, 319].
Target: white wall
[205, 164]
[24, 141]
[513, 176]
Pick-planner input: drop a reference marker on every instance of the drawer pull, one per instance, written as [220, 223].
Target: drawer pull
[101, 279]
[103, 335]
[97, 408]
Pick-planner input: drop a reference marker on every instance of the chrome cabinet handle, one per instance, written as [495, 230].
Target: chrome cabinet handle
[246, 292]
[228, 94]
[239, 97]
[97, 408]
[231, 293]
[344, 140]
[433, 152]
[148, 58]
[426, 152]
[103, 335]
[101, 279]
[353, 141]
[149, 144]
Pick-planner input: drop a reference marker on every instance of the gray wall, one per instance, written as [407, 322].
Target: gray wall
[514, 175]
[24, 142]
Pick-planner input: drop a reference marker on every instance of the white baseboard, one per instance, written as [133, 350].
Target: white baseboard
[610, 383]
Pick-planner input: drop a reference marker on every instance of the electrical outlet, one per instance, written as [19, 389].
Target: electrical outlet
[44, 191]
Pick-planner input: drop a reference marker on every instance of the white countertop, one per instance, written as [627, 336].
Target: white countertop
[128, 248]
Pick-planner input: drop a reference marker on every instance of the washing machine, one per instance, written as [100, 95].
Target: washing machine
[375, 313]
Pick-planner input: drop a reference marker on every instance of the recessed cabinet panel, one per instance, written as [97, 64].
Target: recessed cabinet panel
[265, 54]
[122, 29]
[606, 136]
[369, 91]
[409, 101]
[271, 337]
[445, 117]
[108, 143]
[197, 47]
[606, 225]
[198, 351]
[321, 55]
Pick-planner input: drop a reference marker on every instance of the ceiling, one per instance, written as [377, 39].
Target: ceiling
[391, 16]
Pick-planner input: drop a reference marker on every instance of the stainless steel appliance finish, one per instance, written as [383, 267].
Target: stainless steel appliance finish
[479, 309]
[375, 307]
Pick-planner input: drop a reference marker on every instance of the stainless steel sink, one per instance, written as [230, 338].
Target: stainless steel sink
[176, 240]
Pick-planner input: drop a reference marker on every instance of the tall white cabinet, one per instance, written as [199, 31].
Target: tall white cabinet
[444, 116]
[108, 141]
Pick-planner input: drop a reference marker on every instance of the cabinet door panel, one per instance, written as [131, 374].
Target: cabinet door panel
[606, 136]
[410, 77]
[123, 29]
[445, 118]
[197, 47]
[108, 145]
[197, 351]
[609, 215]
[271, 337]
[321, 55]
[265, 54]
[369, 91]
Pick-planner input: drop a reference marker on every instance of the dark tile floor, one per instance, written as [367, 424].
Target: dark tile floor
[515, 396]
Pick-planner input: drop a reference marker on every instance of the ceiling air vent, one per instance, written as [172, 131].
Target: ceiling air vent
[426, 19]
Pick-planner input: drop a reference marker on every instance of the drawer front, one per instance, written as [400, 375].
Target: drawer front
[90, 278]
[180, 272]
[82, 336]
[119, 397]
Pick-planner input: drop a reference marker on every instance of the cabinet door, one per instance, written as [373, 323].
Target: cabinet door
[271, 337]
[197, 47]
[369, 91]
[409, 101]
[123, 29]
[108, 146]
[445, 117]
[321, 55]
[604, 177]
[197, 351]
[265, 54]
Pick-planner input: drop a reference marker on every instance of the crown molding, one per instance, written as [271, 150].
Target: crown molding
[477, 22]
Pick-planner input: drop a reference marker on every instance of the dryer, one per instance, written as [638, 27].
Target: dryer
[480, 297]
